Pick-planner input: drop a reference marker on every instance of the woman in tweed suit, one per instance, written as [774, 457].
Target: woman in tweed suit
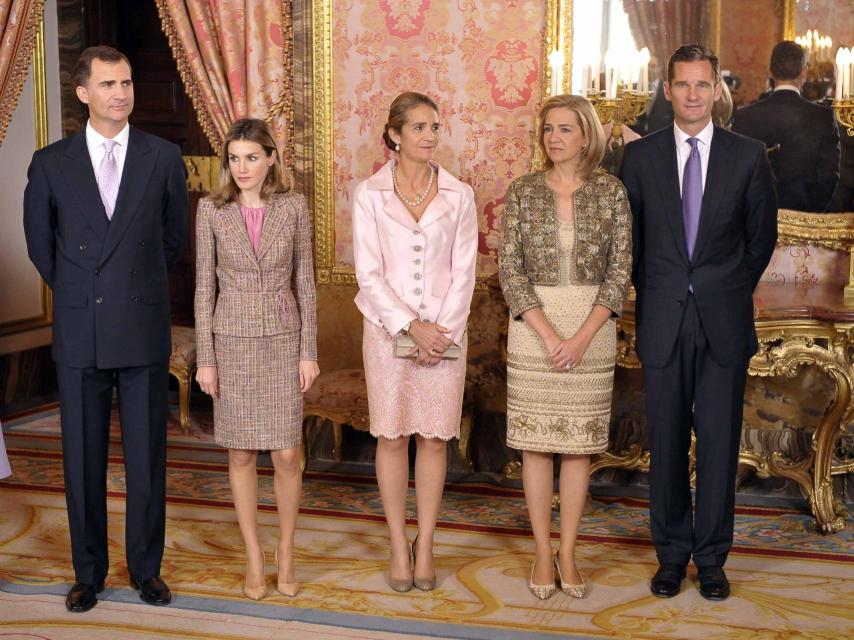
[256, 339]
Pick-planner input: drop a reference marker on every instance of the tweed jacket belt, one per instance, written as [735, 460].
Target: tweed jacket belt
[529, 251]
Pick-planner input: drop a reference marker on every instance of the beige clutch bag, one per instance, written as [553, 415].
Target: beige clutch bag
[403, 344]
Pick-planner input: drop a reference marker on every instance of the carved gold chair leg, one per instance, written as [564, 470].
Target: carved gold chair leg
[337, 441]
[465, 438]
[183, 377]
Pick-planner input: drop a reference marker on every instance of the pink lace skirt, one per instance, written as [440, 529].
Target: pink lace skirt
[405, 398]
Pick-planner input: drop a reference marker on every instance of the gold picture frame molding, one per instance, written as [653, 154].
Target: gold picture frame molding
[45, 317]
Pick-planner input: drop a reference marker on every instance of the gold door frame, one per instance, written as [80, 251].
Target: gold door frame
[44, 318]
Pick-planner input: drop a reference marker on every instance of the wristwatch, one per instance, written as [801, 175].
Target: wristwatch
[405, 330]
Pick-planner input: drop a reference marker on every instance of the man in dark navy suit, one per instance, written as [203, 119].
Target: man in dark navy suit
[704, 223]
[105, 216]
[803, 136]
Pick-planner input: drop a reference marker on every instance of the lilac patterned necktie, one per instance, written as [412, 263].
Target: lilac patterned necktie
[108, 178]
[692, 195]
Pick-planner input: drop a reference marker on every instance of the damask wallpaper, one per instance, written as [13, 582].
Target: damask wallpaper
[481, 63]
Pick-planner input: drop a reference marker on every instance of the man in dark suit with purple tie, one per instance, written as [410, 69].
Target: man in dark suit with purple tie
[704, 225]
[105, 216]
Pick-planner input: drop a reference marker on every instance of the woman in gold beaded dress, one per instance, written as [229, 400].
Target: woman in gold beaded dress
[564, 265]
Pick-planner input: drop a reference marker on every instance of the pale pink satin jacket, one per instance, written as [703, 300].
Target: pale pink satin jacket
[410, 270]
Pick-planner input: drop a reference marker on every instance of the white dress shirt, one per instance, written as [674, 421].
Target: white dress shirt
[683, 149]
[95, 143]
[787, 87]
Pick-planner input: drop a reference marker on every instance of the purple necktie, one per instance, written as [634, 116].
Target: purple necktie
[692, 195]
[108, 178]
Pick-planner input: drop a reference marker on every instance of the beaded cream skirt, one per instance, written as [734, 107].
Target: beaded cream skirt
[566, 411]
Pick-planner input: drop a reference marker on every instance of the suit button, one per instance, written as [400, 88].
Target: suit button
[417, 276]
[134, 298]
[422, 306]
[82, 247]
[417, 291]
[142, 243]
[133, 272]
[417, 247]
[97, 272]
[417, 260]
[98, 300]
[416, 232]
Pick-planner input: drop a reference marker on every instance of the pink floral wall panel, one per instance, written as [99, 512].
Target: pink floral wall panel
[480, 60]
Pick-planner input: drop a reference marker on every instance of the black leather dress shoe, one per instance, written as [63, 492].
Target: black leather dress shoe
[667, 581]
[152, 590]
[81, 597]
[713, 583]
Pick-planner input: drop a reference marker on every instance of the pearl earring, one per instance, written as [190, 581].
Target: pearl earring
[397, 146]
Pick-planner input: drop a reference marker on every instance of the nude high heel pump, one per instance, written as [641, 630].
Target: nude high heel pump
[255, 593]
[289, 589]
[402, 586]
[572, 590]
[422, 584]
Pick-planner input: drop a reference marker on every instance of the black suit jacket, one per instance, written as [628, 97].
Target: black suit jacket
[807, 164]
[735, 240]
[109, 278]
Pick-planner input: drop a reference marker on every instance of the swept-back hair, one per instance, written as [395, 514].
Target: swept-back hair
[591, 128]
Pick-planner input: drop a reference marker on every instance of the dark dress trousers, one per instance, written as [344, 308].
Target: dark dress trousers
[110, 328]
[695, 347]
[806, 165]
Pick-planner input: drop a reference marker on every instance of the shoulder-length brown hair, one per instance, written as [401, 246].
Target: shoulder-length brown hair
[253, 130]
[591, 128]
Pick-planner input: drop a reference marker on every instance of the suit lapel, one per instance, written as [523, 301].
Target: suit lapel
[237, 227]
[396, 210]
[136, 174]
[76, 165]
[714, 186]
[671, 197]
[275, 217]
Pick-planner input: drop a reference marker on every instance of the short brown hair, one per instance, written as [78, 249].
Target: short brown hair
[591, 129]
[83, 70]
[398, 110]
[788, 59]
[694, 52]
[252, 130]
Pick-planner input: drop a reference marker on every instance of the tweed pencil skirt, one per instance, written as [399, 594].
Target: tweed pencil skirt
[260, 402]
[405, 398]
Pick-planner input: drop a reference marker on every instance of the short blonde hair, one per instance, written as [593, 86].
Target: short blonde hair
[591, 129]
[722, 108]
[276, 180]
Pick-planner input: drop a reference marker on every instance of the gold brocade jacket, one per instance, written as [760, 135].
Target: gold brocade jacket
[529, 252]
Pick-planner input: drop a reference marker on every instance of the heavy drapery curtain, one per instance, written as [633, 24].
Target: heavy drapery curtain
[19, 21]
[234, 57]
[666, 24]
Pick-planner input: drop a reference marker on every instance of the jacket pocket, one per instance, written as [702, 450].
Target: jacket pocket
[155, 295]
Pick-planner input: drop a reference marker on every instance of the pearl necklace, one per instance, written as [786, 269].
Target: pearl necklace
[420, 197]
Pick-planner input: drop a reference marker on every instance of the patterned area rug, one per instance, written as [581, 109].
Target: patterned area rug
[788, 581]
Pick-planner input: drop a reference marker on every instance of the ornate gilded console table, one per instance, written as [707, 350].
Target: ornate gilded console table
[797, 327]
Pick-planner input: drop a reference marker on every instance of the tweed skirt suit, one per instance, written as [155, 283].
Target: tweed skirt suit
[256, 327]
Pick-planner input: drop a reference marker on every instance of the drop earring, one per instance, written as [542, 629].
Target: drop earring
[397, 146]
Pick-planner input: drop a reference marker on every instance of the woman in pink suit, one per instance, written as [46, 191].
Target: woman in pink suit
[415, 248]
[5, 469]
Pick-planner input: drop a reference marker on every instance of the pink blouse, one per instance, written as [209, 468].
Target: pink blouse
[254, 220]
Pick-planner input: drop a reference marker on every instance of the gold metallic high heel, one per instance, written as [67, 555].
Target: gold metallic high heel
[541, 591]
[255, 593]
[572, 590]
[402, 586]
[422, 584]
[289, 589]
